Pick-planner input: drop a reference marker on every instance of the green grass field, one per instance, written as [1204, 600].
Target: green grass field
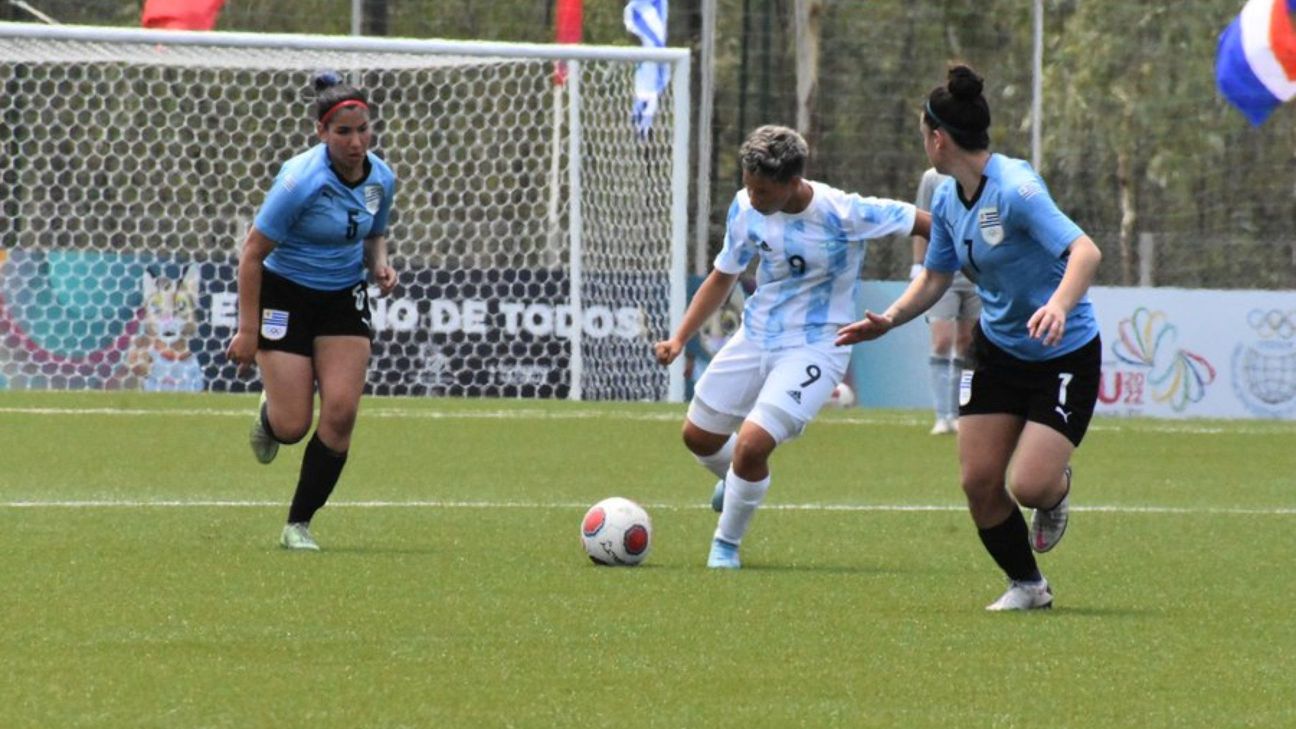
[142, 585]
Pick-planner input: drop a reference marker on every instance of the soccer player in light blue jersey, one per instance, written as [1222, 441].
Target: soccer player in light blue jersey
[303, 300]
[772, 377]
[1027, 404]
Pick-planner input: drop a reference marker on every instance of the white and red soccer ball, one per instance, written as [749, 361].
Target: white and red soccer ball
[842, 396]
[616, 532]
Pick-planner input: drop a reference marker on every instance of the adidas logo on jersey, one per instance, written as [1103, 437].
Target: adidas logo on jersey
[795, 395]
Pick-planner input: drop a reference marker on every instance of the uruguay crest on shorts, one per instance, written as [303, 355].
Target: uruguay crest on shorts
[274, 324]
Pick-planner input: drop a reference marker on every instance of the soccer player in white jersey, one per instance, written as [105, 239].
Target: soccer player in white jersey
[1027, 404]
[303, 301]
[772, 377]
[952, 319]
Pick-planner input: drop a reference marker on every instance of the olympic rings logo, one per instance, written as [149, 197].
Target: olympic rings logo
[1273, 323]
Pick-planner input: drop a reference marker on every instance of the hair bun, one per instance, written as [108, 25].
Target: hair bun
[964, 83]
[325, 79]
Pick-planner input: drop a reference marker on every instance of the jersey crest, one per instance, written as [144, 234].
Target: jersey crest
[991, 226]
[373, 195]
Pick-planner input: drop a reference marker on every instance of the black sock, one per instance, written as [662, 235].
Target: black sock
[320, 469]
[1009, 544]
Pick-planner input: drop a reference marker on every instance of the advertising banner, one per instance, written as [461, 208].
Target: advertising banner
[92, 320]
[1167, 353]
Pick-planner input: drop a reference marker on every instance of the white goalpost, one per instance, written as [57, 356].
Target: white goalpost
[541, 241]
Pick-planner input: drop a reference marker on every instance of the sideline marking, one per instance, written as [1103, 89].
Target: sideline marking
[899, 508]
[1107, 424]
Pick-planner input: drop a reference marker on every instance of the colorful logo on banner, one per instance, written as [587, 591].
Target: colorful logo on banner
[1264, 369]
[1174, 376]
[97, 320]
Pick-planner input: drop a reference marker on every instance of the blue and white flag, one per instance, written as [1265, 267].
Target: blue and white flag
[647, 19]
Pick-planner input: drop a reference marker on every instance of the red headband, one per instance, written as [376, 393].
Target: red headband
[342, 105]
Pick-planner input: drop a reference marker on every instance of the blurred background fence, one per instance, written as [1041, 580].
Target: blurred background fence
[1137, 146]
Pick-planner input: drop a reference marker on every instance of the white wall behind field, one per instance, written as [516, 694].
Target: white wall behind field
[1167, 353]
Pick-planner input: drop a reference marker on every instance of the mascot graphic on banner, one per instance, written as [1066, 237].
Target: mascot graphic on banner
[160, 357]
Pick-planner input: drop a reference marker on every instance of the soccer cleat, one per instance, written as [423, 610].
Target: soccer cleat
[264, 447]
[296, 535]
[723, 555]
[717, 497]
[1048, 525]
[944, 426]
[1024, 596]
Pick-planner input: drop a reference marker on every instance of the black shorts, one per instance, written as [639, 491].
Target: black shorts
[1060, 393]
[292, 315]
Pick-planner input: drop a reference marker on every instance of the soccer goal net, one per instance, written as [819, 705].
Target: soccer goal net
[538, 232]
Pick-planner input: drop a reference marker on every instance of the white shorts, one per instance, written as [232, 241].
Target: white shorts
[780, 390]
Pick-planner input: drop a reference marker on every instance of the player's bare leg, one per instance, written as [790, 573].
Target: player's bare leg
[340, 365]
[745, 487]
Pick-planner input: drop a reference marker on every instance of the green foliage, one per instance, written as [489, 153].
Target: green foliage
[1127, 84]
[441, 609]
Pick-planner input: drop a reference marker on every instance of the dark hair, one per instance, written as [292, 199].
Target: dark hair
[330, 91]
[778, 153]
[959, 108]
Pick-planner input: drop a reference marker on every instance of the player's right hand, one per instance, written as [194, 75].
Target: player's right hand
[870, 327]
[243, 349]
[667, 350]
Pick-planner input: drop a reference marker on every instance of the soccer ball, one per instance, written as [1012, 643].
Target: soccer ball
[616, 531]
[842, 396]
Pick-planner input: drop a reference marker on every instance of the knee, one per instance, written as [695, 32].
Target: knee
[289, 436]
[700, 442]
[290, 433]
[751, 453]
[982, 488]
[1031, 492]
[941, 344]
[338, 421]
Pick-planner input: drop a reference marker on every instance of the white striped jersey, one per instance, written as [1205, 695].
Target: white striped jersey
[809, 261]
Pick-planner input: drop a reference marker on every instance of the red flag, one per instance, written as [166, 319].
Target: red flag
[180, 14]
[568, 23]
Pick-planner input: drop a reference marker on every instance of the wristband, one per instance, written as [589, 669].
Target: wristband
[914, 270]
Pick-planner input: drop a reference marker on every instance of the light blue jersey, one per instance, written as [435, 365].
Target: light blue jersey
[1012, 240]
[809, 262]
[319, 223]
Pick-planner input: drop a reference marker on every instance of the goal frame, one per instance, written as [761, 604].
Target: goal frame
[573, 55]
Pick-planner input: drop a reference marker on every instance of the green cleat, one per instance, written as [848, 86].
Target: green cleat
[264, 447]
[296, 535]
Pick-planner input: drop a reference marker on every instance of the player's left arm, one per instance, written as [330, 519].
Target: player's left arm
[375, 256]
[1049, 321]
[1034, 208]
[375, 246]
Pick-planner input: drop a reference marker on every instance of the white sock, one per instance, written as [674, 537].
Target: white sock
[960, 364]
[740, 502]
[942, 383]
[718, 462]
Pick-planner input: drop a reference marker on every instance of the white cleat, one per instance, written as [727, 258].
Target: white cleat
[944, 426]
[723, 556]
[296, 535]
[1048, 525]
[1024, 596]
[264, 447]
